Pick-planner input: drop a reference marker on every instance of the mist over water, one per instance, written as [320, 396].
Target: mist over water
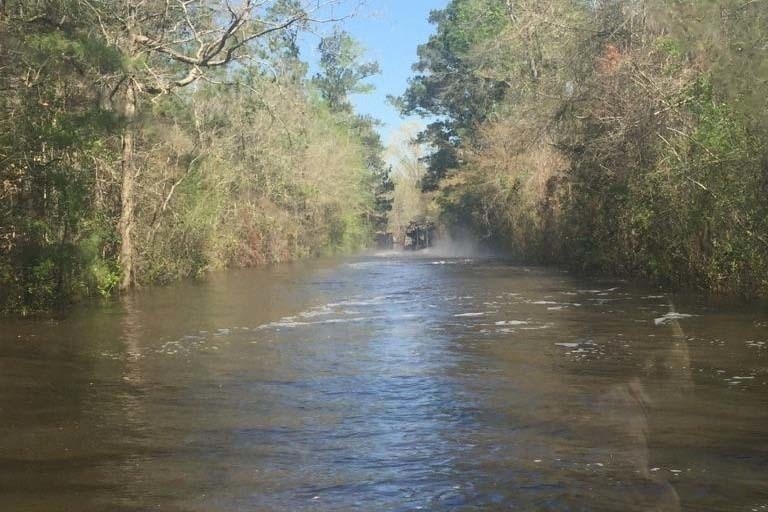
[436, 380]
[445, 246]
[464, 247]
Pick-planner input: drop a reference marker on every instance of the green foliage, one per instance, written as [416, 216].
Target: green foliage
[342, 72]
[258, 192]
[105, 276]
[629, 137]
[670, 46]
[252, 171]
[52, 157]
[468, 23]
[83, 49]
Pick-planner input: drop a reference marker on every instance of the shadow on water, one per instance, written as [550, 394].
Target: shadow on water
[425, 382]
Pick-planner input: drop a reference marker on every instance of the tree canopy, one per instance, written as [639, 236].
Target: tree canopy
[142, 142]
[622, 136]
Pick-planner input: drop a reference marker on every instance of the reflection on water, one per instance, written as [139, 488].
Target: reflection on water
[388, 384]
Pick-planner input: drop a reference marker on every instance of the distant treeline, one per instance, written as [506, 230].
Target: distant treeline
[621, 136]
[145, 141]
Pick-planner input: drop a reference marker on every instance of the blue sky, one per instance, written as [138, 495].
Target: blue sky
[390, 31]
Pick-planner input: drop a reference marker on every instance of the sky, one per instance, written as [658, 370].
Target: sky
[390, 31]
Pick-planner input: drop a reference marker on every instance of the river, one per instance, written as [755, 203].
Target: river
[387, 384]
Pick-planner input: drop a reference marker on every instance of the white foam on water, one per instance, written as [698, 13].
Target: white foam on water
[536, 328]
[670, 317]
[315, 312]
[186, 343]
[467, 315]
[512, 322]
[290, 323]
[343, 307]
[601, 302]
[448, 262]
[374, 301]
[362, 264]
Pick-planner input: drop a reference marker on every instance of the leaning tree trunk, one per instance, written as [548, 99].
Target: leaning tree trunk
[127, 194]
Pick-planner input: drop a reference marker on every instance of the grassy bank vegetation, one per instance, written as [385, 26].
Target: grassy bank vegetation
[142, 142]
[617, 136]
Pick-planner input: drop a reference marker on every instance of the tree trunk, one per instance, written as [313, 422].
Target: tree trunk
[127, 195]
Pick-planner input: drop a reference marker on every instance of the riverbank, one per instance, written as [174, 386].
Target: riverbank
[629, 139]
[115, 174]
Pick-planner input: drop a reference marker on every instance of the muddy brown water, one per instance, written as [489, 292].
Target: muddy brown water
[387, 384]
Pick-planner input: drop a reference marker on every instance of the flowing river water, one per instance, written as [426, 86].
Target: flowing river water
[388, 384]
